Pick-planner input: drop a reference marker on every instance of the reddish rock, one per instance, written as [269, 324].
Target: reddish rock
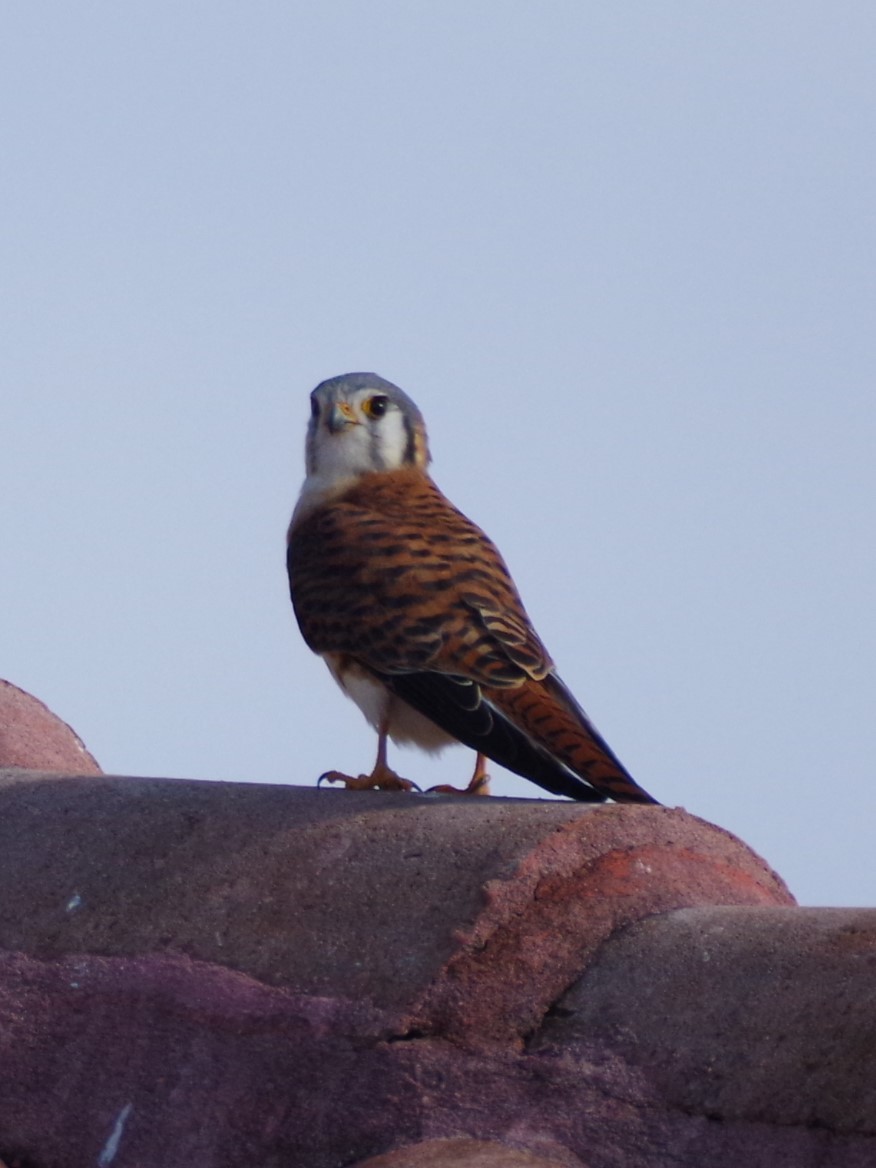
[32, 736]
[221, 974]
[464, 1154]
[295, 886]
[592, 875]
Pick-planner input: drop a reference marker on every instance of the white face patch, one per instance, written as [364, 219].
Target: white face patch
[390, 439]
[336, 459]
[341, 455]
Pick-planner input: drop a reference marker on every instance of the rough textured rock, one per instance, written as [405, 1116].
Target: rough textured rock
[690, 996]
[464, 1154]
[32, 736]
[222, 974]
[293, 886]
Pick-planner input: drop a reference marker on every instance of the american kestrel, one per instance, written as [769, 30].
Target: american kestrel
[413, 610]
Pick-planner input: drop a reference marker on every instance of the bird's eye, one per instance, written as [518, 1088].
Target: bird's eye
[375, 407]
[314, 408]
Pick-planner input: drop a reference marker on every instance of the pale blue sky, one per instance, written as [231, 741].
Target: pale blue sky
[621, 255]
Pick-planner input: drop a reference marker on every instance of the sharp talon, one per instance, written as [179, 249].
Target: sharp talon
[382, 780]
[478, 786]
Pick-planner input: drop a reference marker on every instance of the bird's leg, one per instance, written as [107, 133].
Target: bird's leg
[480, 780]
[382, 777]
[478, 785]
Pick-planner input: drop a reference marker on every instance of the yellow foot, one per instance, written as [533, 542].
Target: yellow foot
[480, 785]
[380, 779]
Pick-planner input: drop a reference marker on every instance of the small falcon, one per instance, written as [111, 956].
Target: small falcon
[413, 610]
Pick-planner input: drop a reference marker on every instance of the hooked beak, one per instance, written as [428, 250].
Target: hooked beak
[340, 417]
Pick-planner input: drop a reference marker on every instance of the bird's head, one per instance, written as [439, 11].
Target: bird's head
[360, 423]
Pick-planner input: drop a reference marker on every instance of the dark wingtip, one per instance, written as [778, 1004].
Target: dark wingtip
[484, 729]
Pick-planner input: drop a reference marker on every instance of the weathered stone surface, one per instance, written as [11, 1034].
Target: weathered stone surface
[401, 903]
[222, 974]
[595, 874]
[464, 1154]
[768, 1017]
[190, 1064]
[32, 736]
